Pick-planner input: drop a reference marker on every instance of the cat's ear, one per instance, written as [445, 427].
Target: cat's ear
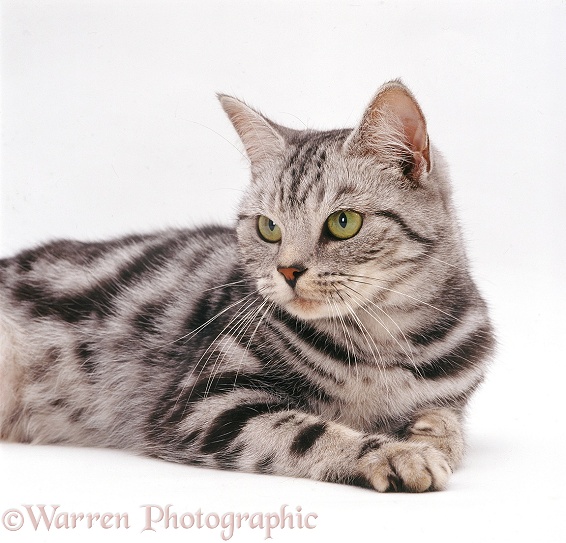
[260, 138]
[393, 129]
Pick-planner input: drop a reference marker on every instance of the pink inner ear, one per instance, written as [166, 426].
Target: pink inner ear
[408, 112]
[396, 102]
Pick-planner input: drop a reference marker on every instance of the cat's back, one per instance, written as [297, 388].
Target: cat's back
[97, 306]
[120, 284]
[74, 280]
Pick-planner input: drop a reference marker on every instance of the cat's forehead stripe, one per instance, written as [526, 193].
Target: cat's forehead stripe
[303, 171]
[314, 182]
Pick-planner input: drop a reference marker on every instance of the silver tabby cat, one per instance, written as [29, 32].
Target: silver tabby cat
[335, 334]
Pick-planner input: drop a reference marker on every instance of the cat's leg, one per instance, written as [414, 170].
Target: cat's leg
[441, 428]
[247, 432]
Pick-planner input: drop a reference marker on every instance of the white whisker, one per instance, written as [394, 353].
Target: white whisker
[348, 338]
[212, 319]
[234, 321]
[225, 285]
[346, 276]
[368, 338]
[373, 315]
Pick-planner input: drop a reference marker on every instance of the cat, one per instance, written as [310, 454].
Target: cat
[335, 333]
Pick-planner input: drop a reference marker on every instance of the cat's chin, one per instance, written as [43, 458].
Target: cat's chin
[307, 309]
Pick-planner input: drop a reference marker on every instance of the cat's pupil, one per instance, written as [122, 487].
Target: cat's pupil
[343, 220]
[271, 225]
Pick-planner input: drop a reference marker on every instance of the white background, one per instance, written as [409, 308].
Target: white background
[110, 125]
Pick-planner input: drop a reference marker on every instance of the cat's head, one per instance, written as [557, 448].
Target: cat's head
[337, 219]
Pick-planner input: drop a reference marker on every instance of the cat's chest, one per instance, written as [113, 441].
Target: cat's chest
[374, 398]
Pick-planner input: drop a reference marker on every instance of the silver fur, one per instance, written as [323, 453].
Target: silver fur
[193, 347]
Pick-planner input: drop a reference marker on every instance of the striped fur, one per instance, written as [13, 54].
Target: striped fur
[191, 346]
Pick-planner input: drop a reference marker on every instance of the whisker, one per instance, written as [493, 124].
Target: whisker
[265, 313]
[234, 335]
[225, 285]
[372, 314]
[348, 338]
[234, 321]
[444, 262]
[212, 319]
[365, 332]
[234, 324]
[400, 293]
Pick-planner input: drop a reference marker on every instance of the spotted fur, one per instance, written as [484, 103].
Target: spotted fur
[191, 346]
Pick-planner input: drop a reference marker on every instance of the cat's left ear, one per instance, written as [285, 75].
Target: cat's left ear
[393, 129]
[260, 138]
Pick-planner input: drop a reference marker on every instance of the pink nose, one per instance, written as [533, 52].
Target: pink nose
[291, 274]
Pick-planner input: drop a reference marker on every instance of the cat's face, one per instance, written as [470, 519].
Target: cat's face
[325, 226]
[329, 226]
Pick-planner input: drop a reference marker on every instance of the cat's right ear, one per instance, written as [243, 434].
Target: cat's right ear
[260, 138]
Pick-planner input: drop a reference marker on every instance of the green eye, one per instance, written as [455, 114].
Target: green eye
[344, 224]
[268, 230]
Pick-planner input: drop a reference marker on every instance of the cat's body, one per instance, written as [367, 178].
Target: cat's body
[302, 350]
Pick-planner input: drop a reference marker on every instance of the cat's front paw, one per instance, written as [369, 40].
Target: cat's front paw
[441, 429]
[406, 467]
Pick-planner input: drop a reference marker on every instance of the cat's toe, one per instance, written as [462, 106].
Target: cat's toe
[406, 467]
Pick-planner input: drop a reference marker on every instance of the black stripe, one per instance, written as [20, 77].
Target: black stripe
[311, 142]
[86, 355]
[289, 167]
[27, 259]
[316, 183]
[293, 348]
[468, 355]
[190, 438]
[183, 403]
[227, 426]
[146, 320]
[228, 458]
[436, 331]
[77, 414]
[407, 230]
[177, 404]
[298, 172]
[279, 378]
[454, 300]
[351, 479]
[265, 464]
[211, 303]
[97, 301]
[75, 252]
[301, 357]
[314, 338]
[369, 445]
[307, 437]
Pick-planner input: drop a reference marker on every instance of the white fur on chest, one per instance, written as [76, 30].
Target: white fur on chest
[369, 397]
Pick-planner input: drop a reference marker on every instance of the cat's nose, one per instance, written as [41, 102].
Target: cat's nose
[291, 274]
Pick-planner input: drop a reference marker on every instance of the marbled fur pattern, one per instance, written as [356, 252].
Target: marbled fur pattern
[190, 346]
